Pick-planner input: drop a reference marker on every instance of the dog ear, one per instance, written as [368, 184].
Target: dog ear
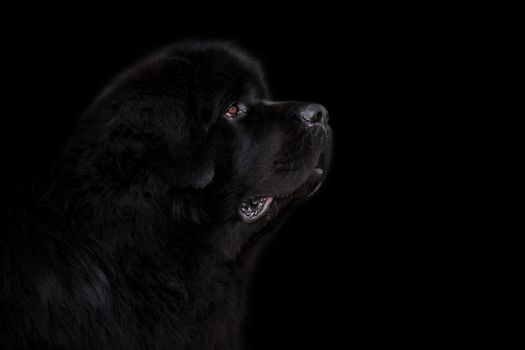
[186, 161]
[176, 153]
[126, 144]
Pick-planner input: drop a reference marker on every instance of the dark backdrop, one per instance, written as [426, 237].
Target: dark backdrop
[357, 265]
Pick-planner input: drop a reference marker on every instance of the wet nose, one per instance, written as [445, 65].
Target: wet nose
[313, 113]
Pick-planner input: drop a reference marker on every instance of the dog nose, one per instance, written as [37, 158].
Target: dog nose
[313, 113]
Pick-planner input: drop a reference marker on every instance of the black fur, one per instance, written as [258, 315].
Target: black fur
[136, 242]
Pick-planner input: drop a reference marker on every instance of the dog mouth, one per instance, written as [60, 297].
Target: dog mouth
[254, 208]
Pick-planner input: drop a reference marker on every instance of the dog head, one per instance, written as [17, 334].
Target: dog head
[197, 120]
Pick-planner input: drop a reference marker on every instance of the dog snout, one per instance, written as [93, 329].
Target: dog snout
[312, 113]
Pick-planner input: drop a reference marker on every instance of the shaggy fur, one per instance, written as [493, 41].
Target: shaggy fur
[137, 241]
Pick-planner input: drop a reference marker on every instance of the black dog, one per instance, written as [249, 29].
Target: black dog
[142, 240]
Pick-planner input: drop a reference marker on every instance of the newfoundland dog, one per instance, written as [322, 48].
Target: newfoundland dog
[174, 176]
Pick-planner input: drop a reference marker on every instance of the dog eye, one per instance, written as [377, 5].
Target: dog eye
[236, 110]
[232, 111]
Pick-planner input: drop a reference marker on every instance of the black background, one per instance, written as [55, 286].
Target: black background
[364, 264]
